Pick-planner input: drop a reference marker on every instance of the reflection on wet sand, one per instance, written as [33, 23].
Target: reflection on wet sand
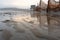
[22, 28]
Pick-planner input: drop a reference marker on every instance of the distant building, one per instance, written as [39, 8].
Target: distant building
[33, 7]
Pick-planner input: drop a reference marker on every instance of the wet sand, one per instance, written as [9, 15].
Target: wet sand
[22, 28]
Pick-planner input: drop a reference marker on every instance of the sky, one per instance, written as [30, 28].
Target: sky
[19, 3]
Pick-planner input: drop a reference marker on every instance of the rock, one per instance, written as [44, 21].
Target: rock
[6, 21]
[1, 30]
[30, 22]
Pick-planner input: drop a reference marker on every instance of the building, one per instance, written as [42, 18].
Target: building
[33, 7]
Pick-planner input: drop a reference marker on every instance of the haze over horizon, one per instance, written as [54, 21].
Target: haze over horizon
[19, 3]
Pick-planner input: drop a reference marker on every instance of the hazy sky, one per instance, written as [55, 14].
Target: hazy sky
[19, 3]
